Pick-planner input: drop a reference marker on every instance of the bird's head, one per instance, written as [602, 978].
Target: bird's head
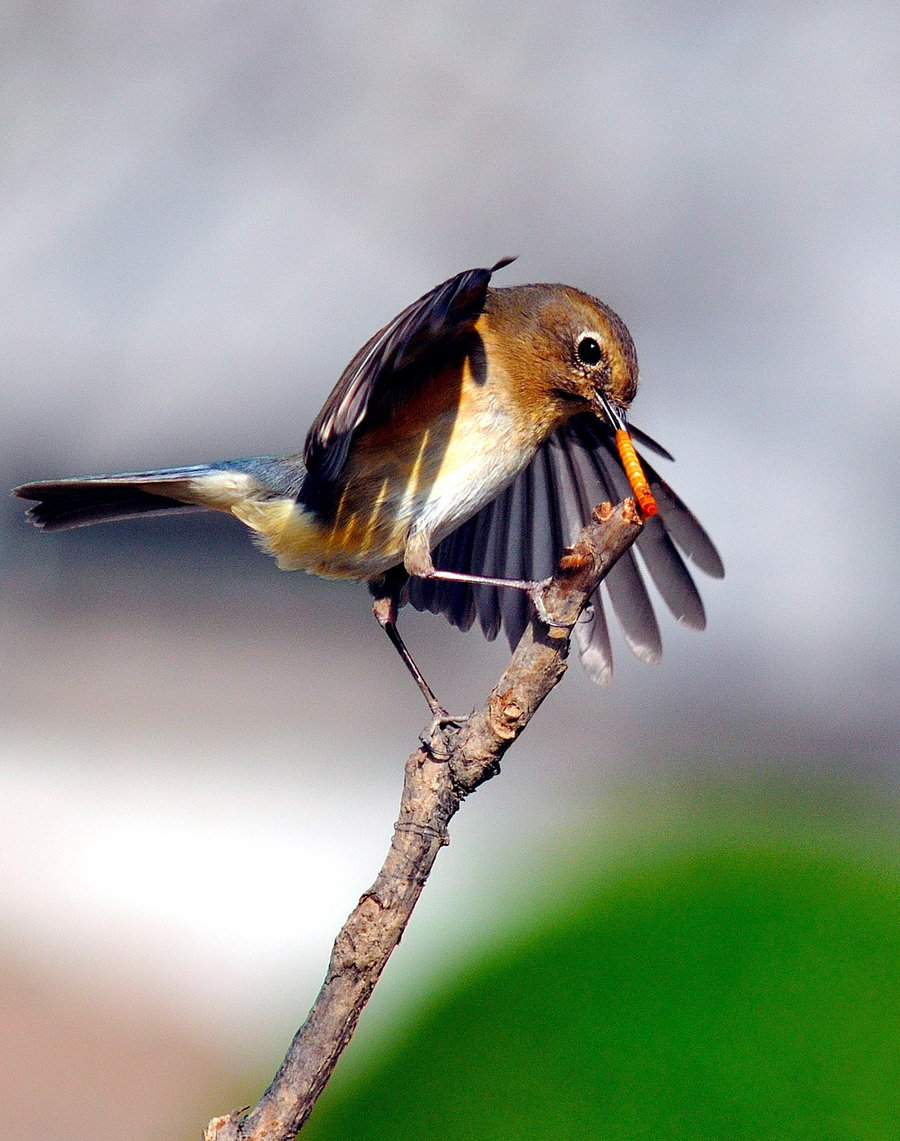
[566, 349]
[568, 353]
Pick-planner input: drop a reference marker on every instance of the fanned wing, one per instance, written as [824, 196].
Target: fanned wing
[521, 534]
[379, 368]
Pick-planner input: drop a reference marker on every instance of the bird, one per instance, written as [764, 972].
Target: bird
[460, 451]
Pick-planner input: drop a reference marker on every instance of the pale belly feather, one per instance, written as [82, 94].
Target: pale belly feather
[425, 482]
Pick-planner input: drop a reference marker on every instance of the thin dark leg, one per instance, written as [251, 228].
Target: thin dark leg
[385, 609]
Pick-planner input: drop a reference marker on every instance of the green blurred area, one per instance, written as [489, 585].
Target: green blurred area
[735, 978]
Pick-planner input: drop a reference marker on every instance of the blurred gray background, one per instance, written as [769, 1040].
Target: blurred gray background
[204, 210]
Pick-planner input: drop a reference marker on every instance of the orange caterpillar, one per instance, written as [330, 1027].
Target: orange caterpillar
[635, 473]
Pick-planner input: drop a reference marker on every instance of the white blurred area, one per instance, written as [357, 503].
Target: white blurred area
[204, 210]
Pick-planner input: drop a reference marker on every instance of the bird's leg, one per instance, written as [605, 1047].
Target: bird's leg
[533, 589]
[486, 580]
[385, 610]
[417, 561]
[438, 737]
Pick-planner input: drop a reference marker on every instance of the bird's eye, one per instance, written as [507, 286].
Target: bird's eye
[589, 351]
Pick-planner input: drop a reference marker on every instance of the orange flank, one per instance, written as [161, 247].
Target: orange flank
[635, 473]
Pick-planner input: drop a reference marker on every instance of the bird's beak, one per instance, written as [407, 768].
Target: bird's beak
[630, 462]
[613, 413]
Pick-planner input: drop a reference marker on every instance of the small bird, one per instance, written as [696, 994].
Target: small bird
[461, 449]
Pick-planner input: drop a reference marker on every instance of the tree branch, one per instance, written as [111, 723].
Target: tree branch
[439, 775]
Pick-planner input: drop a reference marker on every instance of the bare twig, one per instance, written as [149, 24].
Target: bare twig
[438, 776]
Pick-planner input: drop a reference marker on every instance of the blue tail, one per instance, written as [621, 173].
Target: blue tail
[66, 503]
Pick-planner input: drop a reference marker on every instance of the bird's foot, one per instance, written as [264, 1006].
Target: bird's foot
[573, 561]
[554, 621]
[440, 736]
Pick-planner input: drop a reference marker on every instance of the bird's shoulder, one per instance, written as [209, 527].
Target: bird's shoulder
[391, 362]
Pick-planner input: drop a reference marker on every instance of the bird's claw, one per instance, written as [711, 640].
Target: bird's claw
[441, 734]
[553, 620]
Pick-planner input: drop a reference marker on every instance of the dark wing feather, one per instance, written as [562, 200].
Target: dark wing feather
[590, 483]
[523, 531]
[646, 441]
[676, 518]
[683, 526]
[426, 325]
